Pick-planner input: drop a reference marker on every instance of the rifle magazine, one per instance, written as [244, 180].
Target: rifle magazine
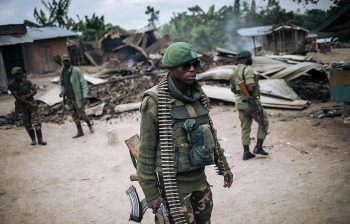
[137, 207]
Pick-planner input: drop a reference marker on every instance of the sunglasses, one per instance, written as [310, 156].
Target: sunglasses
[187, 65]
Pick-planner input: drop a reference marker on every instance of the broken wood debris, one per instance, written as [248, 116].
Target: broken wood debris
[133, 65]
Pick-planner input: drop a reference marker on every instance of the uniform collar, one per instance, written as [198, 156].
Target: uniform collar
[192, 94]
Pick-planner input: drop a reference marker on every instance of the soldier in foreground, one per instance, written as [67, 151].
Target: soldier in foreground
[177, 141]
[246, 114]
[23, 90]
[74, 87]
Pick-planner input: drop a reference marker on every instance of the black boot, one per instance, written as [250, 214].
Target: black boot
[90, 126]
[259, 148]
[40, 137]
[247, 154]
[80, 131]
[31, 133]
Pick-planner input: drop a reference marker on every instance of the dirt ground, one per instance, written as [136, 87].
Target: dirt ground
[305, 179]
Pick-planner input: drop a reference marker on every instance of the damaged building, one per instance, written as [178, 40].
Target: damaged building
[32, 49]
[276, 39]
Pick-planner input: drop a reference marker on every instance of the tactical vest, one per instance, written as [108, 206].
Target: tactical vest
[180, 112]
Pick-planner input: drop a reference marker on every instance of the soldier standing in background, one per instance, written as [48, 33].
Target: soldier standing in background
[23, 90]
[243, 73]
[74, 87]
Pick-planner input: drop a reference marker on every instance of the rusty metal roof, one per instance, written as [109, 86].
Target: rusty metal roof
[264, 30]
[49, 33]
[36, 34]
[15, 39]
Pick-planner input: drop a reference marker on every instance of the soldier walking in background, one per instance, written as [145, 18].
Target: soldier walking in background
[75, 89]
[246, 116]
[23, 90]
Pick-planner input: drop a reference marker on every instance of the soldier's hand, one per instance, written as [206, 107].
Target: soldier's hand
[23, 98]
[228, 178]
[154, 204]
[33, 104]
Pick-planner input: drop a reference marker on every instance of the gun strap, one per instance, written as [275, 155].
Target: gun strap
[133, 160]
[243, 77]
[167, 152]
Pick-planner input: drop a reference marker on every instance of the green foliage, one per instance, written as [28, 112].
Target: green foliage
[204, 30]
[211, 29]
[92, 28]
[153, 20]
[57, 11]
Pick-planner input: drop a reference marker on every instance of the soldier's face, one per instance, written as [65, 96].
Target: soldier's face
[185, 73]
[66, 63]
[18, 76]
[249, 61]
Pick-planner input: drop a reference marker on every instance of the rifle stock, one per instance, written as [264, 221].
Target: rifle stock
[139, 208]
[252, 105]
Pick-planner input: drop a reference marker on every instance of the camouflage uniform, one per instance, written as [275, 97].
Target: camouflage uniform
[29, 114]
[78, 113]
[75, 88]
[195, 193]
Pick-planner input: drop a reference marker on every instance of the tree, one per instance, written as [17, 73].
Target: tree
[203, 29]
[92, 28]
[152, 21]
[58, 11]
[237, 9]
[304, 2]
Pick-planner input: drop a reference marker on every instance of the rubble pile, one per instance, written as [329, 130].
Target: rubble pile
[314, 88]
[128, 89]
[132, 67]
[11, 119]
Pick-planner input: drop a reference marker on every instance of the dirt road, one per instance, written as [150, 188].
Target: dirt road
[305, 179]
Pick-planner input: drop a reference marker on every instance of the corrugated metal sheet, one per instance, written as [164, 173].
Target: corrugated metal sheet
[49, 32]
[312, 35]
[15, 39]
[264, 30]
[324, 40]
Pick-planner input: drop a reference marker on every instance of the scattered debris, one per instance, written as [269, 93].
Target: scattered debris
[326, 113]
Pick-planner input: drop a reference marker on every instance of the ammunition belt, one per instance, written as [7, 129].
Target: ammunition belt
[167, 152]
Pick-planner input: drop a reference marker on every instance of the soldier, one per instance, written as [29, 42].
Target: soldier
[74, 87]
[242, 72]
[175, 129]
[23, 90]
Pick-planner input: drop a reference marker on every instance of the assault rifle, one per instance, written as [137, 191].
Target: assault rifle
[253, 107]
[138, 208]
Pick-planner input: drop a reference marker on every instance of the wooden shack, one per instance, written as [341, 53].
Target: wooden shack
[276, 39]
[32, 49]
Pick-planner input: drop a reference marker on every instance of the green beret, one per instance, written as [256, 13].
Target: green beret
[243, 54]
[177, 54]
[65, 57]
[16, 70]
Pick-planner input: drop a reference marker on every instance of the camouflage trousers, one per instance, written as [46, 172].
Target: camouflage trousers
[246, 124]
[77, 113]
[30, 116]
[197, 205]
